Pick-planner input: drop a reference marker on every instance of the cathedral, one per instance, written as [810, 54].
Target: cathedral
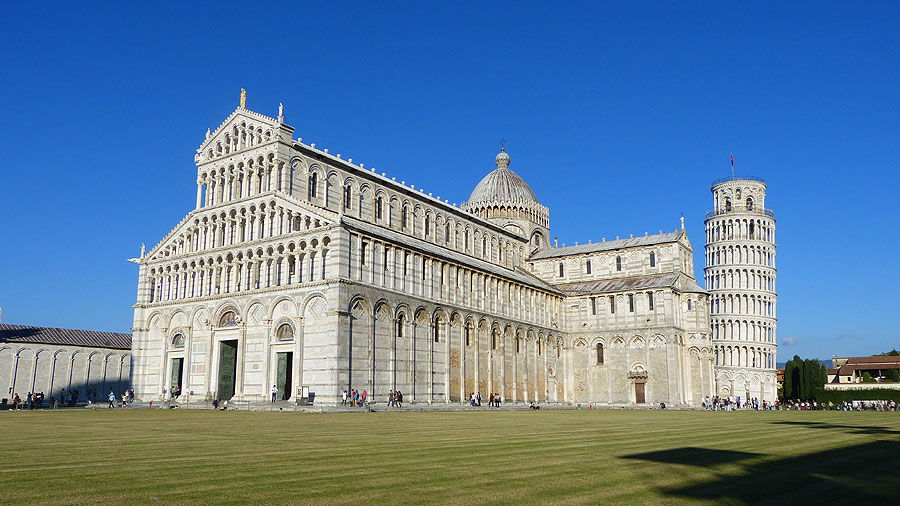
[304, 272]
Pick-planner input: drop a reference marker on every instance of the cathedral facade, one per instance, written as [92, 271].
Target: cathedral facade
[301, 269]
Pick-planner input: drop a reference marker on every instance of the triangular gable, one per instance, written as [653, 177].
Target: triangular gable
[241, 117]
[324, 216]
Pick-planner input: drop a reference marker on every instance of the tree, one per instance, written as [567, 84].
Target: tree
[892, 353]
[892, 375]
[803, 379]
[867, 378]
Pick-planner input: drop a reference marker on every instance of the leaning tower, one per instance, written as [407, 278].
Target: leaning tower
[740, 276]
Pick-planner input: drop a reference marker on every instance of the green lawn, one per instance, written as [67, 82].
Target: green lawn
[630, 457]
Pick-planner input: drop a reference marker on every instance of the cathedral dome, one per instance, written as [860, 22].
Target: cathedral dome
[502, 185]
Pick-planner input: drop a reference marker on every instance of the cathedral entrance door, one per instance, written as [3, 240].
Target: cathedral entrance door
[176, 375]
[639, 393]
[283, 374]
[227, 369]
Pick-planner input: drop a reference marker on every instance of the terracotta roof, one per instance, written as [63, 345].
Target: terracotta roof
[631, 242]
[63, 337]
[892, 360]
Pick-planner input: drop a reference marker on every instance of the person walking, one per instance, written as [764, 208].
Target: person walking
[274, 393]
[344, 398]
[365, 396]
[112, 399]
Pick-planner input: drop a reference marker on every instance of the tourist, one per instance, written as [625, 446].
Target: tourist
[365, 395]
[112, 399]
[16, 401]
[274, 392]
[497, 400]
[344, 398]
[390, 398]
[491, 400]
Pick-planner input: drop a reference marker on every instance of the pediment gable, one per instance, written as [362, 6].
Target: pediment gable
[243, 128]
[173, 244]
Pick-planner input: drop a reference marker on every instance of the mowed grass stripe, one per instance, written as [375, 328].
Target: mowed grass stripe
[397, 457]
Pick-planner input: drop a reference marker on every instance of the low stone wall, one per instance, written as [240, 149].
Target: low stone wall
[861, 386]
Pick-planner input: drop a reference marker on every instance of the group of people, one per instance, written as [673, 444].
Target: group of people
[358, 399]
[395, 399]
[795, 405]
[732, 403]
[354, 398]
[494, 400]
[126, 399]
[36, 400]
[32, 401]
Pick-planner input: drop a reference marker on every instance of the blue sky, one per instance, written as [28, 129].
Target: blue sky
[619, 116]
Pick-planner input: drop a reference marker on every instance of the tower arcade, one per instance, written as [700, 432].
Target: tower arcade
[740, 276]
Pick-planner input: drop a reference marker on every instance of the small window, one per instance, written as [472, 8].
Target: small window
[178, 341]
[362, 253]
[749, 204]
[689, 304]
[285, 332]
[468, 333]
[437, 332]
[518, 345]
[494, 341]
[599, 353]
[447, 233]
[652, 259]
[561, 269]
[403, 218]
[650, 300]
[727, 205]
[587, 266]
[593, 305]
[618, 263]
[228, 319]
[313, 184]
[612, 304]
[631, 303]
[347, 198]
[427, 225]
[378, 207]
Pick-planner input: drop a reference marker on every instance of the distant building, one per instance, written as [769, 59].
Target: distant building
[49, 360]
[851, 369]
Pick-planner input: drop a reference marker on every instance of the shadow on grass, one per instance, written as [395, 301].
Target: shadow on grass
[693, 456]
[855, 429]
[866, 471]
